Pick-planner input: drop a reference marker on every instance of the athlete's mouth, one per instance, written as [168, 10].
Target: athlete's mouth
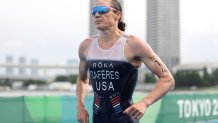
[97, 22]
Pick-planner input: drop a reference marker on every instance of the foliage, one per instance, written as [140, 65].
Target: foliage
[35, 82]
[150, 78]
[192, 78]
[70, 78]
[215, 76]
[61, 78]
[206, 79]
[6, 82]
[187, 79]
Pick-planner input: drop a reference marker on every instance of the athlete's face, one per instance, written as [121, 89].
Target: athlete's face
[103, 21]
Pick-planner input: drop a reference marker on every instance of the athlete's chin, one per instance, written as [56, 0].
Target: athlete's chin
[100, 27]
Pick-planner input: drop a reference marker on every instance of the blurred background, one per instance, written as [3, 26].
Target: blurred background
[39, 40]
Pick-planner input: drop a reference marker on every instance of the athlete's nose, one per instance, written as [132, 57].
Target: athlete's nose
[97, 14]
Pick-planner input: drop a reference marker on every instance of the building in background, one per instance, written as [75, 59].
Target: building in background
[9, 68]
[22, 69]
[163, 30]
[200, 68]
[92, 28]
[34, 69]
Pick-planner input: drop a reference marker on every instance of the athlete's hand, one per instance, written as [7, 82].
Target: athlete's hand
[82, 115]
[136, 110]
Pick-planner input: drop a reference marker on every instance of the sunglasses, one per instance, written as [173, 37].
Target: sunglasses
[101, 10]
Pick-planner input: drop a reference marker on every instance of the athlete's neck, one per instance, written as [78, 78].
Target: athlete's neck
[110, 35]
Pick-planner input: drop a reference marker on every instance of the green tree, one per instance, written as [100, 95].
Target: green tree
[187, 78]
[215, 76]
[72, 79]
[6, 82]
[61, 78]
[206, 79]
[36, 82]
[150, 78]
[181, 79]
[194, 79]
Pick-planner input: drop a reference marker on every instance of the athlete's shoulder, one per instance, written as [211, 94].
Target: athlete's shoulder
[135, 41]
[87, 41]
[84, 46]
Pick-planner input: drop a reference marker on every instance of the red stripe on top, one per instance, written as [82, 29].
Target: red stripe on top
[97, 100]
[114, 102]
[115, 98]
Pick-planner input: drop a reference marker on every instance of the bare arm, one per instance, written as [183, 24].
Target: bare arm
[156, 65]
[165, 82]
[82, 85]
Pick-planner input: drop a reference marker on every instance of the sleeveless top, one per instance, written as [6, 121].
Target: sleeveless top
[113, 80]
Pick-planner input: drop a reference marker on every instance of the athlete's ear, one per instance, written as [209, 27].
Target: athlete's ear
[118, 15]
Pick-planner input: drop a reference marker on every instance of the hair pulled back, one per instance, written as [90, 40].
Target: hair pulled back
[117, 6]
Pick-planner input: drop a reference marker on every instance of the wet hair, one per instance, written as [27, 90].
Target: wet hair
[117, 6]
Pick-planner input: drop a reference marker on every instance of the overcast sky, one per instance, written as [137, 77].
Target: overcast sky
[51, 30]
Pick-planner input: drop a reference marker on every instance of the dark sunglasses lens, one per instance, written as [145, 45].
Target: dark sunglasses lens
[103, 10]
[93, 12]
[100, 10]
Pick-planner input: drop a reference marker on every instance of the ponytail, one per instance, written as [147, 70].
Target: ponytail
[121, 26]
[117, 6]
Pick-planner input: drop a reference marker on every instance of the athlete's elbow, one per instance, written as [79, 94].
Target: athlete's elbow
[171, 82]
